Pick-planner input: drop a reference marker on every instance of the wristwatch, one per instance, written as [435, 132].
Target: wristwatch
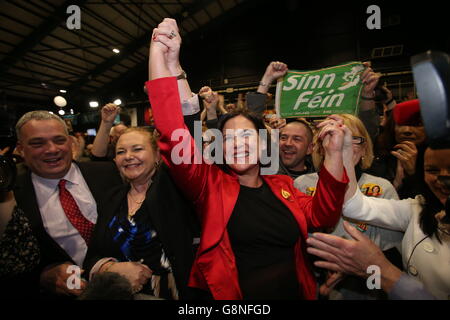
[182, 75]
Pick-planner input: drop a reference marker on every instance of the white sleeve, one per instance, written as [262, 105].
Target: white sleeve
[390, 192]
[298, 183]
[385, 213]
[190, 106]
[305, 181]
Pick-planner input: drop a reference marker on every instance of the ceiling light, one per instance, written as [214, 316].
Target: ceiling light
[118, 102]
[62, 91]
[115, 50]
[93, 104]
[61, 112]
[60, 101]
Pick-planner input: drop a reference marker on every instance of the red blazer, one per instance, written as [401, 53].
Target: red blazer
[214, 194]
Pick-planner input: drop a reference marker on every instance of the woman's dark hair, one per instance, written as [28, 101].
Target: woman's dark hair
[257, 121]
[432, 206]
[254, 118]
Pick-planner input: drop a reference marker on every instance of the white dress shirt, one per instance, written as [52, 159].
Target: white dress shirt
[53, 216]
[190, 106]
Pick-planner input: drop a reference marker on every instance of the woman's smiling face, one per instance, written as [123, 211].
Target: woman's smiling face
[240, 144]
[135, 156]
[437, 163]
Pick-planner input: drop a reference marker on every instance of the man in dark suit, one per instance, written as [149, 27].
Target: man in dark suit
[59, 197]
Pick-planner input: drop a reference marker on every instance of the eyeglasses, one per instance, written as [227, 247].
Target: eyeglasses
[358, 140]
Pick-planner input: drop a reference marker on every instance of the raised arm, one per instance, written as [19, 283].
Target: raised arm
[177, 146]
[386, 213]
[326, 206]
[257, 101]
[370, 80]
[367, 108]
[335, 139]
[210, 102]
[274, 70]
[101, 141]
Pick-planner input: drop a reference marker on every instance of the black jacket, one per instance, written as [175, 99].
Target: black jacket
[172, 218]
[99, 176]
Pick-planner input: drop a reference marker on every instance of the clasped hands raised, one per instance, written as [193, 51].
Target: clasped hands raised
[335, 137]
[166, 43]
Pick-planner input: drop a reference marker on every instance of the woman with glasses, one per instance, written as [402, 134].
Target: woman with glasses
[354, 288]
[425, 245]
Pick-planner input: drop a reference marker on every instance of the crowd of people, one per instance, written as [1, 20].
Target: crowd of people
[137, 214]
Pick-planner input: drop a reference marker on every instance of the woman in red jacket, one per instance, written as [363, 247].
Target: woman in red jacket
[254, 227]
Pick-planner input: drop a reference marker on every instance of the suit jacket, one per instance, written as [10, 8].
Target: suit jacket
[99, 176]
[171, 216]
[214, 193]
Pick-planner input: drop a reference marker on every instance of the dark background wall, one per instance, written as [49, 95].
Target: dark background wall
[234, 51]
[309, 35]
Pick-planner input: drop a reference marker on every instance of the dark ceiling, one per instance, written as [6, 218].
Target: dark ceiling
[40, 55]
[225, 43]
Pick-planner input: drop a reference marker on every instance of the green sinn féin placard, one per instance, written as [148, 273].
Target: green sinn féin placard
[320, 92]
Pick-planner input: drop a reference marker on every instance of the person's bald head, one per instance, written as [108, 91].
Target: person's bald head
[116, 132]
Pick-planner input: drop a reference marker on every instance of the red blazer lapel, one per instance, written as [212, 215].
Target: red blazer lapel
[221, 198]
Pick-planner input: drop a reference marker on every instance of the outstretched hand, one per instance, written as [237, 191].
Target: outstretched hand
[353, 256]
[349, 256]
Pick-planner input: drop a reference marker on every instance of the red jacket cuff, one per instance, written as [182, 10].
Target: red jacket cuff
[325, 175]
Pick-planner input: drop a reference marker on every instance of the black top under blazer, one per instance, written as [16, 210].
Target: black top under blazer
[172, 218]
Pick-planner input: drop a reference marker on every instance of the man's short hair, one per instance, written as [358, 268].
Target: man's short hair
[38, 115]
[306, 124]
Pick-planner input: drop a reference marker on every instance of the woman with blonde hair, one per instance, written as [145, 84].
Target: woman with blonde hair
[362, 144]
[362, 159]
[144, 230]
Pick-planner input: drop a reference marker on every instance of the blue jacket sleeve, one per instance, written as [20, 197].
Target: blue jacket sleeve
[408, 288]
